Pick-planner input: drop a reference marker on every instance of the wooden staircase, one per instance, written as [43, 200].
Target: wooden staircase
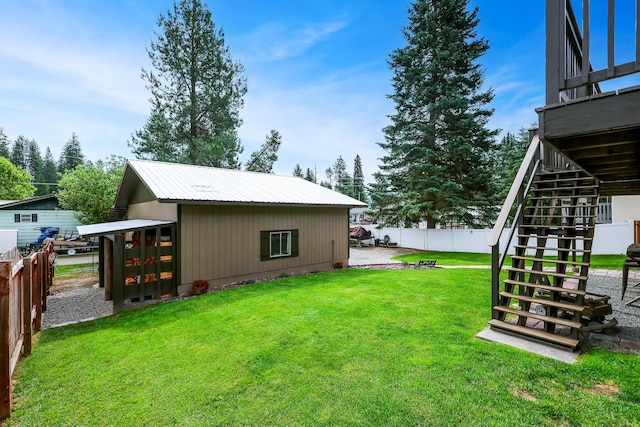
[543, 297]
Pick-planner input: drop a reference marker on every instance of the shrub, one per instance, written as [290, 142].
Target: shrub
[338, 265]
[199, 287]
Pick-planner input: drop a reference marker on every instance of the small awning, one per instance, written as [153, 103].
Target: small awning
[117, 227]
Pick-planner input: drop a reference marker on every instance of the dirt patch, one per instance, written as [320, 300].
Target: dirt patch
[608, 388]
[524, 395]
[85, 280]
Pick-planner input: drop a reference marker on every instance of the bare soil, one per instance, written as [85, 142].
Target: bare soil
[64, 284]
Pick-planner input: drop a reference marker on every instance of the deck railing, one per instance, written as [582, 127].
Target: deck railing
[515, 198]
[570, 74]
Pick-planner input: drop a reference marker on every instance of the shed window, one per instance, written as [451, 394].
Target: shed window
[278, 244]
[25, 218]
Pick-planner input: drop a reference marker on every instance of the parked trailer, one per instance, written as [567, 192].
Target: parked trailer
[64, 241]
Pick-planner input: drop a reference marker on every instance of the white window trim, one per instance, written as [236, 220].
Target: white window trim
[280, 233]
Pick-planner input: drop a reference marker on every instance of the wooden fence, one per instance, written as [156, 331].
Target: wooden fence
[23, 290]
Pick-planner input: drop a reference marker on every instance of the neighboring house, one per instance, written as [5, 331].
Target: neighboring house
[218, 225]
[359, 216]
[27, 216]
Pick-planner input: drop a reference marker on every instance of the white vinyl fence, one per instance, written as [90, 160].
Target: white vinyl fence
[608, 239]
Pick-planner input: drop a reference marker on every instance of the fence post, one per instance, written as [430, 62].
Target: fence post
[27, 321]
[41, 275]
[5, 350]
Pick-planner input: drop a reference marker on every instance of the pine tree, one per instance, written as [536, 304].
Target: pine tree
[197, 92]
[342, 179]
[49, 172]
[35, 165]
[386, 207]
[18, 155]
[297, 171]
[359, 191]
[4, 144]
[329, 182]
[71, 155]
[439, 150]
[263, 159]
[507, 160]
[310, 176]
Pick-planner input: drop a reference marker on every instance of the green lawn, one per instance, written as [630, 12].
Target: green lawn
[609, 262]
[347, 347]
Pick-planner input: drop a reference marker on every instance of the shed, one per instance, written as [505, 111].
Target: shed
[219, 225]
[28, 215]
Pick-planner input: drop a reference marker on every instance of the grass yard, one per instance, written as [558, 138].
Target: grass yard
[608, 262]
[347, 347]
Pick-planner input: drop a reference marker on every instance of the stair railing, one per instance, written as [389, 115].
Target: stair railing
[520, 187]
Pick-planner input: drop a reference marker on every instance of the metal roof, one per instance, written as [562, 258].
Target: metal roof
[178, 183]
[11, 204]
[118, 227]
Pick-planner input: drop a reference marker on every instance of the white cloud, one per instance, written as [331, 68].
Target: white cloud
[276, 41]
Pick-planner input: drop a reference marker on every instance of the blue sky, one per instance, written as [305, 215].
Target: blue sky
[316, 71]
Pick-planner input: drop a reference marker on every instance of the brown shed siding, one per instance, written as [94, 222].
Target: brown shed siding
[153, 210]
[222, 243]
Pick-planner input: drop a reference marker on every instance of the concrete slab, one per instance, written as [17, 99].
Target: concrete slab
[489, 334]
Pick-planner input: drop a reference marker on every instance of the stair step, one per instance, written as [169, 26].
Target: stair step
[551, 236]
[545, 287]
[554, 176]
[562, 180]
[550, 319]
[563, 196]
[546, 273]
[535, 333]
[544, 301]
[570, 186]
[564, 226]
[537, 248]
[543, 216]
[550, 177]
[565, 192]
[551, 261]
[560, 206]
[553, 186]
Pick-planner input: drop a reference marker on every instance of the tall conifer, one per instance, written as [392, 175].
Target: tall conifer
[439, 148]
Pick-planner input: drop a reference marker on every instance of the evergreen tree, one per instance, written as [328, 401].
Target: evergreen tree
[35, 166]
[49, 172]
[297, 171]
[18, 154]
[507, 160]
[197, 92]
[309, 175]
[342, 179]
[4, 145]
[71, 155]
[386, 207]
[263, 159]
[358, 180]
[439, 150]
[329, 182]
